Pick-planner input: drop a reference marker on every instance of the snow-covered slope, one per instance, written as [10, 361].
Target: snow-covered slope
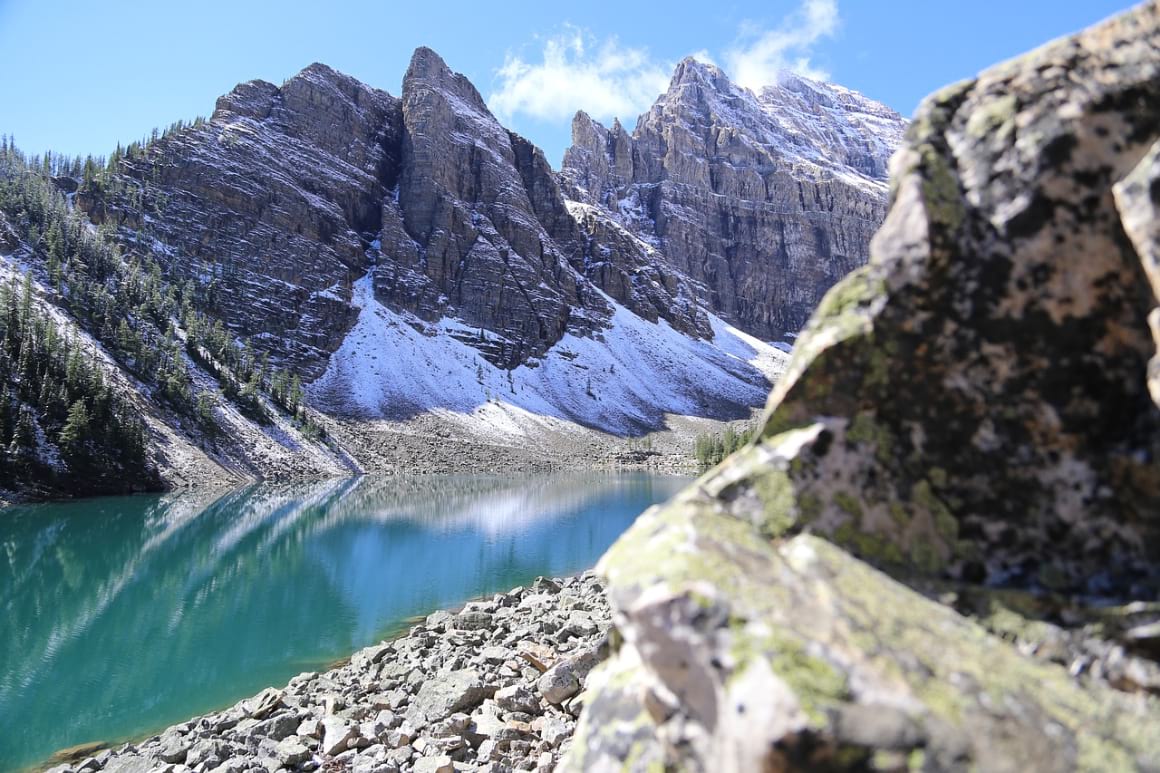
[622, 380]
[411, 258]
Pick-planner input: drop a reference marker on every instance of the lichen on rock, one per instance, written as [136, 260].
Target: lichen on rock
[987, 375]
[970, 410]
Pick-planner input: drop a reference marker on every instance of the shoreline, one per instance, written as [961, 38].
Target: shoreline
[687, 466]
[494, 682]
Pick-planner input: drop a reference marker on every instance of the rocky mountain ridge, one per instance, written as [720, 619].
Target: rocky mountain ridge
[410, 255]
[306, 185]
[762, 201]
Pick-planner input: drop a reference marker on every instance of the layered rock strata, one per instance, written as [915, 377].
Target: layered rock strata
[762, 201]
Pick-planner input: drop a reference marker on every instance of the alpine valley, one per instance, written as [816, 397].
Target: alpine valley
[324, 279]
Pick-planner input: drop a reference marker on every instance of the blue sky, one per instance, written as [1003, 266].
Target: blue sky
[79, 76]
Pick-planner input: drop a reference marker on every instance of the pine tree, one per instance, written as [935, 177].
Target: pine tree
[73, 437]
[23, 436]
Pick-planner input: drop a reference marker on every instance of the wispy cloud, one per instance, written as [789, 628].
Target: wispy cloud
[757, 56]
[604, 78]
[607, 79]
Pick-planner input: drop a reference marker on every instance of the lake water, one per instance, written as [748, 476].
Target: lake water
[124, 615]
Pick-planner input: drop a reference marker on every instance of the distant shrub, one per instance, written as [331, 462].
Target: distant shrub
[712, 447]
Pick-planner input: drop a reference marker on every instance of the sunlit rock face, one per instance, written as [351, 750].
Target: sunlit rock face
[267, 205]
[762, 200]
[290, 193]
[970, 410]
[289, 196]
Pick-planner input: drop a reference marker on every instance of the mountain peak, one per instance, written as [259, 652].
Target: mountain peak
[426, 64]
[319, 70]
[428, 69]
[691, 70]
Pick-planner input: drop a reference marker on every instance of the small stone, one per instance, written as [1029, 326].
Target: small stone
[518, 697]
[546, 585]
[485, 723]
[232, 765]
[173, 748]
[454, 726]
[495, 654]
[558, 683]
[541, 656]
[443, 695]
[209, 753]
[311, 728]
[291, 751]
[554, 730]
[129, 764]
[472, 621]
[438, 621]
[337, 734]
[401, 755]
[579, 624]
[440, 764]
[401, 736]
[264, 703]
[276, 727]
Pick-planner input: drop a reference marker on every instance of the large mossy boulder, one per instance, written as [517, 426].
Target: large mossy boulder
[976, 399]
[972, 407]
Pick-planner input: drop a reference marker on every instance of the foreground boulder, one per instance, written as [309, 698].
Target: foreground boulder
[971, 409]
[975, 401]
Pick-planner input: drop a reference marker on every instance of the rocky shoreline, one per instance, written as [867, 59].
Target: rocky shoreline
[496, 686]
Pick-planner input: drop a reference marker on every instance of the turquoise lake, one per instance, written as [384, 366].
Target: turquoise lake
[124, 615]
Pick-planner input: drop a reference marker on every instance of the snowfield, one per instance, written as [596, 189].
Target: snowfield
[623, 381]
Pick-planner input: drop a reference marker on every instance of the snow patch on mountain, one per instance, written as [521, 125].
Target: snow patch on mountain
[623, 380]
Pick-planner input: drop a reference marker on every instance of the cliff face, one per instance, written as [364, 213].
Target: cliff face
[363, 240]
[479, 230]
[762, 201]
[970, 410]
[269, 205]
[722, 201]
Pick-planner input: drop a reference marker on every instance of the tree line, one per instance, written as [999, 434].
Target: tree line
[61, 421]
[710, 448]
[151, 326]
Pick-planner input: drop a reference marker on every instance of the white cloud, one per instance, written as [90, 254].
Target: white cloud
[757, 57]
[605, 79]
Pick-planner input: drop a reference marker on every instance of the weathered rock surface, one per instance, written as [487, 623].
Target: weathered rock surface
[436, 699]
[971, 407]
[297, 210]
[288, 194]
[762, 201]
[268, 205]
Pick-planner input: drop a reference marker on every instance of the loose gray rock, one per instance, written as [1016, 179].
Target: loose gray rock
[442, 695]
[337, 734]
[558, 683]
[291, 751]
[128, 764]
[277, 727]
[472, 621]
[173, 748]
[440, 764]
[518, 697]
